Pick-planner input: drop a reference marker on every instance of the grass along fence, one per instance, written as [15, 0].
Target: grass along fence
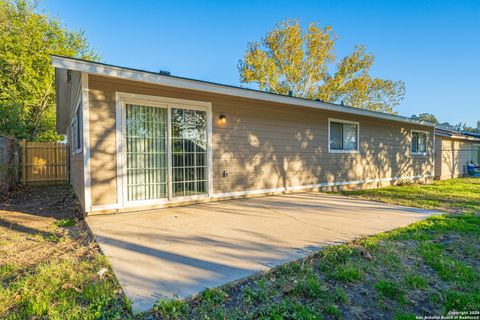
[43, 162]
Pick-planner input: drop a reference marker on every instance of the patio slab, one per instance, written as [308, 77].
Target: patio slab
[160, 254]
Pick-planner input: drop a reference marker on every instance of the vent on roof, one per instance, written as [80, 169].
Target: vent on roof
[164, 73]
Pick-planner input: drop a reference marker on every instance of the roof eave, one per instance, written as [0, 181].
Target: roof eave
[455, 135]
[183, 83]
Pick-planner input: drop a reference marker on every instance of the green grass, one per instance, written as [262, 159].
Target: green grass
[347, 273]
[289, 309]
[430, 265]
[448, 268]
[65, 223]
[462, 301]
[171, 309]
[405, 316]
[61, 289]
[415, 281]
[310, 287]
[340, 296]
[390, 289]
[455, 194]
[46, 273]
[332, 310]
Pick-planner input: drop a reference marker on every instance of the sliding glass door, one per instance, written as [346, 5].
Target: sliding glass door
[146, 153]
[155, 134]
[189, 152]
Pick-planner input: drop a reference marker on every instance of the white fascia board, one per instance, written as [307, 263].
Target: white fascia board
[456, 137]
[177, 82]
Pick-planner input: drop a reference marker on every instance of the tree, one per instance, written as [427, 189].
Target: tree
[425, 117]
[27, 96]
[470, 129]
[462, 126]
[291, 60]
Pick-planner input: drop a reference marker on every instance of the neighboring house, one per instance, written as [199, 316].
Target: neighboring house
[453, 150]
[143, 140]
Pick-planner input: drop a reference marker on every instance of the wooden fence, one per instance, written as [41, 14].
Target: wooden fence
[43, 162]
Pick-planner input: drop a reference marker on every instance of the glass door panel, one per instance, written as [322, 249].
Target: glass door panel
[146, 152]
[189, 152]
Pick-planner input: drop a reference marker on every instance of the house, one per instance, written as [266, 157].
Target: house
[141, 139]
[453, 150]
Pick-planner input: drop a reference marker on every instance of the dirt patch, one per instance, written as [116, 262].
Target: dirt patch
[28, 233]
[50, 267]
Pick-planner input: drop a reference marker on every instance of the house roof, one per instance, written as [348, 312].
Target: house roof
[108, 70]
[443, 131]
[471, 134]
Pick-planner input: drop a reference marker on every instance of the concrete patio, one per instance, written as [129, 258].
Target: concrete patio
[180, 251]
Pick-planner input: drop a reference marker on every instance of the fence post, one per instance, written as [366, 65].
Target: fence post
[55, 159]
[23, 146]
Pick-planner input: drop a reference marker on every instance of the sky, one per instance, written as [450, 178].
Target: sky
[433, 46]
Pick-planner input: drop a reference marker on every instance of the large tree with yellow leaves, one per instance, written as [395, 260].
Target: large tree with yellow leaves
[291, 59]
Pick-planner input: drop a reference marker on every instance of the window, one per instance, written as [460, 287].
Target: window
[476, 153]
[76, 131]
[419, 142]
[343, 136]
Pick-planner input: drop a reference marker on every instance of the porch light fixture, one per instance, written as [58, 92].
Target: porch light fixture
[222, 118]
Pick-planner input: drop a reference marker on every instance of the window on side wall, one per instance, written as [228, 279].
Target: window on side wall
[343, 136]
[419, 142]
[76, 131]
[476, 153]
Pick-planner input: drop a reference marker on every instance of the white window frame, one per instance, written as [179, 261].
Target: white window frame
[77, 126]
[122, 99]
[357, 150]
[426, 143]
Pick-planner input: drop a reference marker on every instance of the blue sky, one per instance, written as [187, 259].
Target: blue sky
[433, 46]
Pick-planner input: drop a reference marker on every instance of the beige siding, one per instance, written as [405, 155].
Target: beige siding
[451, 157]
[102, 142]
[76, 160]
[76, 176]
[273, 147]
[75, 93]
[262, 145]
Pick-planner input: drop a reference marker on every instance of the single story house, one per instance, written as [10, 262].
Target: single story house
[453, 150]
[143, 140]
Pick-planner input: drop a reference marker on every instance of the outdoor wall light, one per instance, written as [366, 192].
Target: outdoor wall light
[223, 118]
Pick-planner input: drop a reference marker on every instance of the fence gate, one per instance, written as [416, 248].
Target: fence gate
[43, 162]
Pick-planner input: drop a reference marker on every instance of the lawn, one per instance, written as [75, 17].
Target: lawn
[428, 268]
[50, 268]
[455, 195]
